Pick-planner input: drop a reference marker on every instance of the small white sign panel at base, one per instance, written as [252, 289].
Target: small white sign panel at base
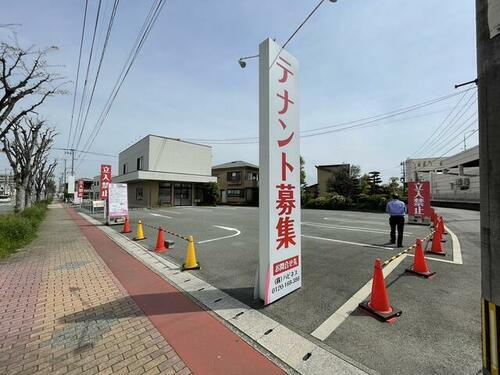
[280, 263]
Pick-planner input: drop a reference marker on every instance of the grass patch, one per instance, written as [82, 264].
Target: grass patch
[19, 229]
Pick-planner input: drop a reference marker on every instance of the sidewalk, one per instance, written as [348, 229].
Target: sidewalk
[73, 302]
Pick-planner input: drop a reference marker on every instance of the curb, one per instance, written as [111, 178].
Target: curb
[300, 354]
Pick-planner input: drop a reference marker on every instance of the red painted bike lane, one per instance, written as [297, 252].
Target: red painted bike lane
[203, 343]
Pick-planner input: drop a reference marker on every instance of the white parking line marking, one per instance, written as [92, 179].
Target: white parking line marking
[356, 221]
[348, 242]
[222, 238]
[356, 229]
[337, 318]
[457, 250]
[171, 212]
[166, 217]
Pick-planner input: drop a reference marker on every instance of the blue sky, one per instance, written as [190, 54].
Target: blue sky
[358, 58]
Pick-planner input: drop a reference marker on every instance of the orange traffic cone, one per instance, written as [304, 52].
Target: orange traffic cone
[437, 248]
[126, 226]
[434, 220]
[420, 266]
[160, 242]
[379, 301]
[441, 225]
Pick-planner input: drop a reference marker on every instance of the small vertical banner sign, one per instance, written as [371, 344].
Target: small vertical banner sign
[117, 202]
[280, 263]
[105, 181]
[419, 202]
[80, 188]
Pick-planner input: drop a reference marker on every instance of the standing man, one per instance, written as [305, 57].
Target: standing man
[397, 210]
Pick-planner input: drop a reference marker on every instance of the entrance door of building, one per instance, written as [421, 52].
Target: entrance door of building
[183, 194]
[165, 193]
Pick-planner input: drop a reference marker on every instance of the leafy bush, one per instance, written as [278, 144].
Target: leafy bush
[372, 202]
[338, 202]
[17, 230]
[330, 202]
[211, 195]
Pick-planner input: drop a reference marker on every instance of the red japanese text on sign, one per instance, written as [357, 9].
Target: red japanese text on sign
[419, 199]
[279, 182]
[285, 265]
[105, 181]
[80, 188]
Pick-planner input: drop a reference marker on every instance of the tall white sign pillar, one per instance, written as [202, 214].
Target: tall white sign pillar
[280, 263]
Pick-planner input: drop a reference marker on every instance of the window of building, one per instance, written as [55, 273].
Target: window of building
[165, 193]
[234, 177]
[140, 163]
[125, 168]
[235, 193]
[252, 176]
[138, 193]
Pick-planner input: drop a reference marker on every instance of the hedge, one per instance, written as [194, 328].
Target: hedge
[364, 202]
[19, 229]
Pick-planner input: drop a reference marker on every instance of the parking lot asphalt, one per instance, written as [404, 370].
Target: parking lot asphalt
[439, 331]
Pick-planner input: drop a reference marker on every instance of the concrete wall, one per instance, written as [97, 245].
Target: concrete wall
[445, 187]
[130, 155]
[462, 157]
[132, 201]
[168, 155]
[323, 177]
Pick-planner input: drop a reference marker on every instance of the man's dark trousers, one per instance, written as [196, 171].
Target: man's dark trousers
[399, 222]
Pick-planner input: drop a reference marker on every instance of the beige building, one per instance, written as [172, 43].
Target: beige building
[163, 171]
[325, 172]
[238, 182]
[453, 178]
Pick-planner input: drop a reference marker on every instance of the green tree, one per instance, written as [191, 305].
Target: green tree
[212, 193]
[364, 184]
[375, 182]
[303, 183]
[394, 186]
[345, 182]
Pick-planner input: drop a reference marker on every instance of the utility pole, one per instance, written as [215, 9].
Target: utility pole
[488, 67]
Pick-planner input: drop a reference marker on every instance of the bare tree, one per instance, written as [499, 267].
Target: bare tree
[27, 148]
[43, 178]
[26, 81]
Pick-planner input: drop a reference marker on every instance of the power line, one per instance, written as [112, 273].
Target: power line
[86, 152]
[86, 77]
[78, 70]
[458, 130]
[108, 34]
[360, 123]
[442, 133]
[441, 124]
[143, 34]
[302, 24]
[458, 144]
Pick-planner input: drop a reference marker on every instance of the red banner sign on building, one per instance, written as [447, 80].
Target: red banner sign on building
[105, 181]
[419, 200]
[80, 188]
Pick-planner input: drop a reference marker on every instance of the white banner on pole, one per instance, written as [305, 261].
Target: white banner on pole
[71, 184]
[280, 262]
[117, 202]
